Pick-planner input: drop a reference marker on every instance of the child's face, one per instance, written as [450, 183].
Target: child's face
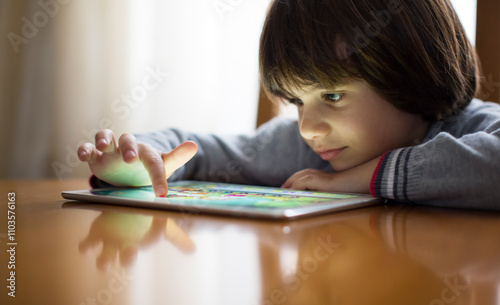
[351, 124]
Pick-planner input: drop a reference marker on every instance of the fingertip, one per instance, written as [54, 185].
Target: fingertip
[102, 144]
[160, 191]
[83, 154]
[194, 147]
[86, 152]
[129, 156]
[178, 157]
[128, 147]
[192, 144]
[189, 148]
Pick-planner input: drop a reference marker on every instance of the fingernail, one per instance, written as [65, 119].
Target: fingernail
[102, 142]
[130, 155]
[83, 153]
[160, 191]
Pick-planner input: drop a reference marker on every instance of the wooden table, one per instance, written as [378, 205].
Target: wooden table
[79, 253]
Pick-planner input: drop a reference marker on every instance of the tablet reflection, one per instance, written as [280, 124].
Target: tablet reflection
[343, 264]
[397, 256]
[123, 235]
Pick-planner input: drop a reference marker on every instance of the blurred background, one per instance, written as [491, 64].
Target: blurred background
[71, 67]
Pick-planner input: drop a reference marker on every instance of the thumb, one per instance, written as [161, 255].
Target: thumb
[179, 156]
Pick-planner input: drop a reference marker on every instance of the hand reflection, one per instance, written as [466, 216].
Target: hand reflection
[123, 235]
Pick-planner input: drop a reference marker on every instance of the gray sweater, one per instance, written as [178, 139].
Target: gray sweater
[457, 164]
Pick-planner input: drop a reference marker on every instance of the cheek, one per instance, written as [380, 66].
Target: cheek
[373, 135]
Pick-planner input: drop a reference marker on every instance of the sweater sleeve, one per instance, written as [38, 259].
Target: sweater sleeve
[268, 157]
[459, 166]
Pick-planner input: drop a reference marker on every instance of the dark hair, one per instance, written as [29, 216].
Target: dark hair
[414, 53]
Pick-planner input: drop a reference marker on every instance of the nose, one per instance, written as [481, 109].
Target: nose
[312, 123]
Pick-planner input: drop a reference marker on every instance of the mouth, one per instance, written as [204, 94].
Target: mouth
[330, 154]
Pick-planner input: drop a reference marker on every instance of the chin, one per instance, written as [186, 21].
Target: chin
[339, 167]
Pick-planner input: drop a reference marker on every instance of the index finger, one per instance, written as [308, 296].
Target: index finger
[153, 162]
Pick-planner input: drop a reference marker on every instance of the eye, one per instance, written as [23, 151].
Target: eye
[332, 97]
[295, 101]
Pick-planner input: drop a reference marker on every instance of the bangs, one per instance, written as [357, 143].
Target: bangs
[298, 50]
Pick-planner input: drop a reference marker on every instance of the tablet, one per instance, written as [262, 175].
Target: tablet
[228, 199]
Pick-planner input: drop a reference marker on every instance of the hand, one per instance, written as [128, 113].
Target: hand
[354, 180]
[128, 163]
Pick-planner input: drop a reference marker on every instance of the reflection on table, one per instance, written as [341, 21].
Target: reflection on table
[80, 253]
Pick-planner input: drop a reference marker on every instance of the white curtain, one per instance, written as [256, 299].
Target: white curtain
[466, 10]
[71, 67]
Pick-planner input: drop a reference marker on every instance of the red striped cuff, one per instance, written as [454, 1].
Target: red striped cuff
[373, 181]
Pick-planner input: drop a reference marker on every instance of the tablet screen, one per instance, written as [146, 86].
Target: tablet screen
[203, 193]
[229, 199]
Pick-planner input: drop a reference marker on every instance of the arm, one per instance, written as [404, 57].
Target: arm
[267, 157]
[459, 166]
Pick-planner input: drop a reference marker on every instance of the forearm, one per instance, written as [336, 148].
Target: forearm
[444, 172]
[267, 157]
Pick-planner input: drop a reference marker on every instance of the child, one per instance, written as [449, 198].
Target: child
[384, 91]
